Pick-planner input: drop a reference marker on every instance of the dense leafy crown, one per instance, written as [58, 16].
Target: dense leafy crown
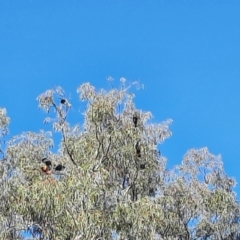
[114, 183]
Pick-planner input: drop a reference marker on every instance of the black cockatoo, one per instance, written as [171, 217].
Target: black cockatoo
[47, 161]
[59, 167]
[138, 149]
[63, 101]
[135, 119]
[48, 166]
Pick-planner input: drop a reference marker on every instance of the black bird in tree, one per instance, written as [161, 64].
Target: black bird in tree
[138, 149]
[59, 167]
[135, 119]
[63, 101]
[48, 166]
[47, 162]
[142, 166]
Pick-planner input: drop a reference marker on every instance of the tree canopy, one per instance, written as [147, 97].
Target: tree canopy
[108, 179]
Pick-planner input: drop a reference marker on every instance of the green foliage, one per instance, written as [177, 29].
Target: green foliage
[114, 181]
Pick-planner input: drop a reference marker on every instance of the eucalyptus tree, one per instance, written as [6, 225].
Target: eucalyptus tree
[108, 179]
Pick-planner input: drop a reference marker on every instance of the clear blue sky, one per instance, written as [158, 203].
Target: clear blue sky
[186, 53]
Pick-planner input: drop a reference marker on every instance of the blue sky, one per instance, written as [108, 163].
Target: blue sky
[186, 53]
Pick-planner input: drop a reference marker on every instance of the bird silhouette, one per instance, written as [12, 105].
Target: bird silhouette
[63, 101]
[59, 167]
[142, 166]
[138, 149]
[135, 119]
[47, 167]
[47, 162]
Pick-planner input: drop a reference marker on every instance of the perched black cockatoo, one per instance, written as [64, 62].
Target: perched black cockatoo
[138, 149]
[59, 167]
[135, 119]
[48, 166]
[142, 166]
[63, 101]
[152, 192]
[47, 162]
